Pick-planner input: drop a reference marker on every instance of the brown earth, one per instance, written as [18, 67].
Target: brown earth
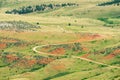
[45, 61]
[88, 37]
[60, 51]
[23, 63]
[113, 54]
[85, 55]
[3, 45]
[85, 49]
[11, 58]
[31, 62]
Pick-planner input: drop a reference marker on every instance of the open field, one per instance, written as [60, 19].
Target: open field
[65, 43]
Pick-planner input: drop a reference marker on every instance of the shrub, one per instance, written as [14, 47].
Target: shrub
[69, 24]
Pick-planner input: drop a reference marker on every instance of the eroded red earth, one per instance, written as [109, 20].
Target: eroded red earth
[3, 45]
[85, 55]
[45, 61]
[88, 37]
[11, 58]
[58, 51]
[26, 61]
[113, 54]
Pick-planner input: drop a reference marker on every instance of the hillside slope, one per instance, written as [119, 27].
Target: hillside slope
[85, 9]
[80, 42]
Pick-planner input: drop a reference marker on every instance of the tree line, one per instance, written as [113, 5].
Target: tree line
[115, 2]
[42, 7]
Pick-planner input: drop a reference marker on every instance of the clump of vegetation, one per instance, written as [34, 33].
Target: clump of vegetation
[109, 22]
[69, 24]
[58, 75]
[115, 2]
[109, 50]
[106, 20]
[77, 46]
[42, 7]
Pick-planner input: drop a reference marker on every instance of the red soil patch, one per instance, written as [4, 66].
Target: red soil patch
[3, 45]
[116, 52]
[88, 37]
[95, 36]
[58, 51]
[85, 55]
[110, 56]
[45, 61]
[31, 62]
[113, 54]
[85, 49]
[26, 63]
[11, 58]
[21, 63]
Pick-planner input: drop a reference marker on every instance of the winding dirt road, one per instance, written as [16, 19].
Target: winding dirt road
[77, 57]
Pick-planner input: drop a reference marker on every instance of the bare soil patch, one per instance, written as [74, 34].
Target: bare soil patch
[3, 45]
[88, 37]
[113, 54]
[58, 51]
[85, 55]
[45, 61]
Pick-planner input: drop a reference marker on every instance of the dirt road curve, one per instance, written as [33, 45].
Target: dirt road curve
[95, 62]
[77, 57]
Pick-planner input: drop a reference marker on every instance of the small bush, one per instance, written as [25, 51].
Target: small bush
[69, 24]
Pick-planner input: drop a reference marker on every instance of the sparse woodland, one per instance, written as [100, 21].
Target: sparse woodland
[42, 7]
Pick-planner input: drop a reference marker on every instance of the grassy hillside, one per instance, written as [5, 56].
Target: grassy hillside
[85, 8]
[66, 43]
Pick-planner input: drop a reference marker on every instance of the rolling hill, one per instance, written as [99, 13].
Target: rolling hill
[59, 40]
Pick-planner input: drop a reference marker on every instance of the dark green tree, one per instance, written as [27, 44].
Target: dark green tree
[51, 6]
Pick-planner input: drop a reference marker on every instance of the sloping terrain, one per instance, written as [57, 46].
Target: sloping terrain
[61, 42]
